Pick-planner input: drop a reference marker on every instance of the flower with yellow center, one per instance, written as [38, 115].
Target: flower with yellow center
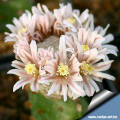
[22, 30]
[63, 70]
[31, 69]
[85, 47]
[86, 68]
[71, 20]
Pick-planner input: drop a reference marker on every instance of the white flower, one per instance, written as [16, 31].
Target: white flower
[85, 40]
[71, 70]
[92, 69]
[45, 20]
[64, 74]
[24, 26]
[34, 26]
[66, 19]
[30, 66]
[111, 49]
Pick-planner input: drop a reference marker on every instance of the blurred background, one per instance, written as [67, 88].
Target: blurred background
[15, 106]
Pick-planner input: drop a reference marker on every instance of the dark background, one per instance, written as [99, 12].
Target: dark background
[15, 106]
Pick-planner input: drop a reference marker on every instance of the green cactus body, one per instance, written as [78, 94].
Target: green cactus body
[53, 109]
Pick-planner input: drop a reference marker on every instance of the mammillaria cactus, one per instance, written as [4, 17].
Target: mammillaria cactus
[60, 55]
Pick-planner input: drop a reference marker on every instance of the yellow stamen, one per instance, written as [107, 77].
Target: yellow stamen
[22, 30]
[71, 20]
[63, 70]
[31, 69]
[85, 47]
[86, 68]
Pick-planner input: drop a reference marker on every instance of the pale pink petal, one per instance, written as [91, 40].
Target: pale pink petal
[53, 88]
[62, 49]
[51, 67]
[47, 79]
[99, 79]
[104, 75]
[70, 39]
[46, 82]
[73, 64]
[92, 54]
[97, 89]
[33, 48]
[17, 64]
[91, 22]
[69, 25]
[76, 12]
[76, 77]
[99, 29]
[108, 38]
[34, 84]
[76, 89]
[17, 23]
[103, 66]
[112, 47]
[26, 57]
[9, 38]
[84, 16]
[92, 36]
[98, 42]
[37, 10]
[64, 92]
[81, 35]
[84, 36]
[98, 58]
[12, 28]
[103, 32]
[65, 10]
[15, 71]
[20, 84]
[89, 90]
[110, 51]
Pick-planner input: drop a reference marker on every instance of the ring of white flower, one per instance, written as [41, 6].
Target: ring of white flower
[70, 70]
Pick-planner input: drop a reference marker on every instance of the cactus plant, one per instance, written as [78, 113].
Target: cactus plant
[44, 108]
[59, 55]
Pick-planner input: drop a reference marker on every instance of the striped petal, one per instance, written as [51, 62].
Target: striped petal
[104, 75]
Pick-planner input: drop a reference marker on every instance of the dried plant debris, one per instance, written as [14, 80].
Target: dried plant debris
[6, 48]
[13, 106]
[107, 10]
